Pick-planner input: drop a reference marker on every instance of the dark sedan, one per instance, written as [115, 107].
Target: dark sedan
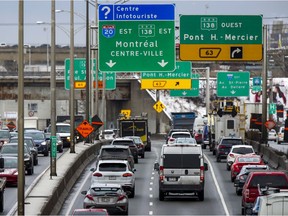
[40, 140]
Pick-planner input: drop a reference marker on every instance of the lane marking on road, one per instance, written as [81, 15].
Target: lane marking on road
[151, 203]
[217, 187]
[150, 212]
[150, 189]
[75, 197]
[151, 195]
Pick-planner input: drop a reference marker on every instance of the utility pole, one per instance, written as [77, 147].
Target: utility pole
[53, 148]
[72, 95]
[87, 66]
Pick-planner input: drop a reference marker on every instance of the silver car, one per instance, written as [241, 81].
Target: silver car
[107, 196]
[117, 172]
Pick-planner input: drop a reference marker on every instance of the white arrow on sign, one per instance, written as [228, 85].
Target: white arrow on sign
[235, 51]
[162, 63]
[233, 92]
[184, 93]
[110, 63]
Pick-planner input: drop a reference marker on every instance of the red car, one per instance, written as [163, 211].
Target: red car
[242, 160]
[10, 171]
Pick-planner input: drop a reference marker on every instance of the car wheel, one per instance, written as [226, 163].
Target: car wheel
[143, 155]
[35, 161]
[30, 171]
[228, 167]
[46, 153]
[60, 150]
[232, 179]
[278, 142]
[201, 195]
[214, 152]
[238, 191]
[242, 211]
[136, 159]
[161, 195]
[1, 201]
[218, 159]
[204, 146]
[132, 195]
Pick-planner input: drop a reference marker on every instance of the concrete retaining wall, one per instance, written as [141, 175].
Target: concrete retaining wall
[270, 156]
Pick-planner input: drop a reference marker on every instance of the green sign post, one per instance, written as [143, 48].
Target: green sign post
[193, 92]
[53, 147]
[80, 74]
[272, 108]
[233, 84]
[137, 38]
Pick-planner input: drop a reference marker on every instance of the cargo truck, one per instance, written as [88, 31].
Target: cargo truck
[183, 120]
[135, 126]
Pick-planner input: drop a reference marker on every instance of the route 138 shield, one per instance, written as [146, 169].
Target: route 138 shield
[108, 31]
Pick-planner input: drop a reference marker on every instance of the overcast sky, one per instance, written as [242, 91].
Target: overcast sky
[39, 10]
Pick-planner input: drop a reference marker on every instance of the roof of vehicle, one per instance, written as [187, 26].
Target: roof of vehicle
[96, 184]
[268, 172]
[114, 146]
[241, 146]
[231, 138]
[33, 131]
[181, 132]
[175, 148]
[62, 123]
[113, 161]
[185, 140]
[121, 139]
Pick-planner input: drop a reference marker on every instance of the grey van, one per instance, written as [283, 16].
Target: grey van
[181, 170]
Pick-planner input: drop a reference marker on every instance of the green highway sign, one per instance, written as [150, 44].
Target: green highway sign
[137, 38]
[193, 92]
[53, 146]
[272, 108]
[221, 37]
[80, 75]
[233, 84]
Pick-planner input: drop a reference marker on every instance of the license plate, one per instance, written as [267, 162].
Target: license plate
[172, 179]
[112, 177]
[105, 199]
[226, 152]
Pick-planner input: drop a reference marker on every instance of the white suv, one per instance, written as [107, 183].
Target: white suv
[237, 150]
[176, 135]
[116, 172]
[281, 135]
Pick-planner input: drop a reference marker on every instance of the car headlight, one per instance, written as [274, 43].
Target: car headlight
[43, 143]
[26, 157]
[5, 142]
[68, 138]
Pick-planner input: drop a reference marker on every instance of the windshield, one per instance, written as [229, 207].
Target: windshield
[11, 149]
[10, 162]
[35, 136]
[4, 134]
[63, 128]
[243, 150]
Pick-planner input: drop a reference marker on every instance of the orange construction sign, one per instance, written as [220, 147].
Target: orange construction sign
[85, 128]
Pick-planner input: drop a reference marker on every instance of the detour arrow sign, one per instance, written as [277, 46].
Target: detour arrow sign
[85, 128]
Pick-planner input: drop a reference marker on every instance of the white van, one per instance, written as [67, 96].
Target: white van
[272, 204]
[181, 170]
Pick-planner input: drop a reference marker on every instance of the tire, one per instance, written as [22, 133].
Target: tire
[30, 171]
[161, 195]
[143, 155]
[204, 146]
[60, 150]
[214, 152]
[201, 195]
[218, 159]
[1, 201]
[238, 192]
[35, 161]
[242, 211]
[132, 195]
[46, 154]
[228, 167]
[232, 179]
[136, 160]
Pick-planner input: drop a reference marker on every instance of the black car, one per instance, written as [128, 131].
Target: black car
[40, 141]
[139, 143]
[11, 150]
[224, 146]
[30, 143]
[127, 142]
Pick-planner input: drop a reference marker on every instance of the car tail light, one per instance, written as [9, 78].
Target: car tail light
[161, 172]
[121, 197]
[90, 197]
[97, 174]
[221, 147]
[231, 155]
[172, 139]
[202, 173]
[127, 175]
[246, 194]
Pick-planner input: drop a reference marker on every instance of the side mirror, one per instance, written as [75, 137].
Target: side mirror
[92, 169]
[205, 166]
[156, 166]
[83, 192]
[1, 163]
[134, 170]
